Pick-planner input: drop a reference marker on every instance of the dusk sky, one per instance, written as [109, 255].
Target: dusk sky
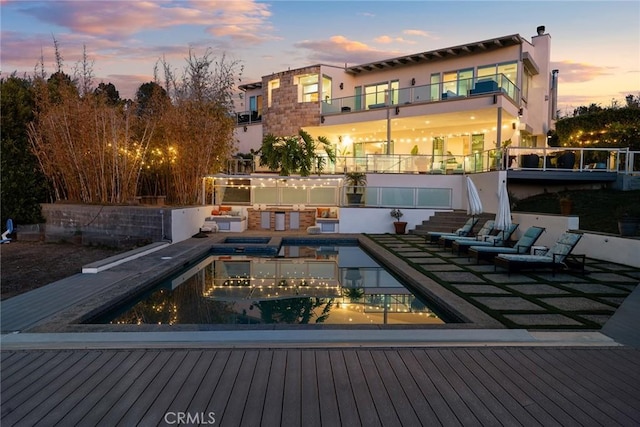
[595, 44]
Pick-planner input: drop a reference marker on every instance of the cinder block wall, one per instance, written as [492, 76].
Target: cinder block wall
[109, 225]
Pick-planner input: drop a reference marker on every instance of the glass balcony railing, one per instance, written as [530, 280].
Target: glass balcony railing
[619, 160]
[455, 89]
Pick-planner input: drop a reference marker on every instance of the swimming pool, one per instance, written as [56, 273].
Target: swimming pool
[331, 282]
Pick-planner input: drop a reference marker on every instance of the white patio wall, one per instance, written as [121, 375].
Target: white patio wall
[187, 221]
[379, 220]
[610, 248]
[554, 225]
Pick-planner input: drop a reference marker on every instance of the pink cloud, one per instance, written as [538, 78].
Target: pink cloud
[388, 39]
[574, 72]
[119, 20]
[339, 49]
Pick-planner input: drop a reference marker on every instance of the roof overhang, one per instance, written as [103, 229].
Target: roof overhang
[250, 86]
[439, 54]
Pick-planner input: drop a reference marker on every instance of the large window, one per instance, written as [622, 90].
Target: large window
[381, 94]
[457, 83]
[308, 88]
[255, 106]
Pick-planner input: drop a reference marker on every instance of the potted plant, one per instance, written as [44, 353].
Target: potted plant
[565, 204]
[355, 181]
[628, 220]
[400, 226]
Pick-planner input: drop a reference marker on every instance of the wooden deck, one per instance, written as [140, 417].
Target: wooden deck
[328, 387]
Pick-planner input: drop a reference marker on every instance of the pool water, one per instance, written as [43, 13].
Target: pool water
[303, 284]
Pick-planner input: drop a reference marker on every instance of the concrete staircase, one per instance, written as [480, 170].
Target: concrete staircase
[448, 222]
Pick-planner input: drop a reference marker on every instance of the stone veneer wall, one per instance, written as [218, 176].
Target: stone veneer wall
[307, 219]
[108, 225]
[286, 115]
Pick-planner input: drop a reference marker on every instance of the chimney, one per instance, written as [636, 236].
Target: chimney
[540, 30]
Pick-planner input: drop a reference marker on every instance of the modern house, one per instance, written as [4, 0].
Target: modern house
[416, 125]
[445, 104]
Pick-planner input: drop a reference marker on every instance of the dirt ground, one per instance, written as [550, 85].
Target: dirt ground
[28, 265]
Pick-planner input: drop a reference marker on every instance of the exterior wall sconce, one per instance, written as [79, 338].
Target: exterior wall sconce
[513, 126]
[321, 119]
[413, 81]
[341, 86]
[397, 110]
[245, 128]
[520, 111]
[495, 99]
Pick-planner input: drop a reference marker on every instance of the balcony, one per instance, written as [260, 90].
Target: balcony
[248, 117]
[455, 89]
[520, 162]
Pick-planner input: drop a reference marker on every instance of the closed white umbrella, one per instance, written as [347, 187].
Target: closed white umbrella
[503, 216]
[475, 204]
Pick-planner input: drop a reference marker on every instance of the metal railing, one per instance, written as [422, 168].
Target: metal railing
[456, 89]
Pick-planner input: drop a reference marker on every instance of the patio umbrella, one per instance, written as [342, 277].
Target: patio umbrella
[503, 216]
[475, 204]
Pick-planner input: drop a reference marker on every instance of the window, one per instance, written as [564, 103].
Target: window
[435, 87]
[510, 71]
[308, 88]
[457, 83]
[255, 107]
[326, 88]
[381, 94]
[273, 84]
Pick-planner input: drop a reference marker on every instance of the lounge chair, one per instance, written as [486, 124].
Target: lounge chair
[465, 230]
[485, 231]
[522, 246]
[462, 244]
[5, 235]
[555, 258]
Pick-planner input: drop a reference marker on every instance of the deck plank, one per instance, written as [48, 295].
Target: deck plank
[379, 393]
[20, 366]
[216, 363]
[232, 415]
[89, 381]
[254, 407]
[369, 416]
[331, 386]
[221, 393]
[149, 395]
[605, 377]
[102, 391]
[591, 404]
[329, 414]
[503, 390]
[344, 394]
[549, 398]
[36, 378]
[310, 407]
[275, 390]
[402, 406]
[291, 399]
[164, 400]
[52, 389]
[466, 373]
[406, 378]
[114, 412]
[442, 385]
